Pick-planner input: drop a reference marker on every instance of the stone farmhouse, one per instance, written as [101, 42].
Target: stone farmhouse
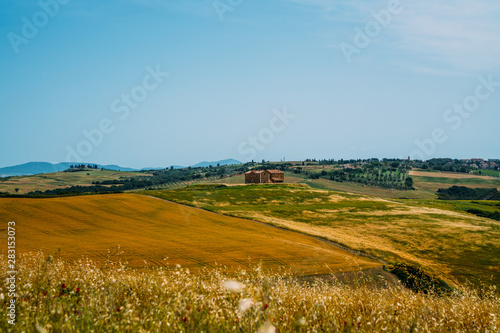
[264, 176]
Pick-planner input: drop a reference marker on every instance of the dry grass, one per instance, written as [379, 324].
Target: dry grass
[56, 296]
[147, 231]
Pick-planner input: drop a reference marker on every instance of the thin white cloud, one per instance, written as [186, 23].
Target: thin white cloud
[445, 36]
[340, 10]
[464, 34]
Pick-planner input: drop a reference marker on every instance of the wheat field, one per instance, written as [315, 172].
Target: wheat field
[145, 231]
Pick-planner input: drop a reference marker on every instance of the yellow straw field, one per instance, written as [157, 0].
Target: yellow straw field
[145, 231]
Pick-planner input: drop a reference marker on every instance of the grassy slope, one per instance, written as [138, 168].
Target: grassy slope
[442, 238]
[148, 230]
[432, 181]
[426, 183]
[491, 173]
[325, 184]
[50, 181]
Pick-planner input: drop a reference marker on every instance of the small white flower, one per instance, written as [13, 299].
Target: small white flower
[233, 286]
[302, 321]
[267, 328]
[245, 304]
[40, 328]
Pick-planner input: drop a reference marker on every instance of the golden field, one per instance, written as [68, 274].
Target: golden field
[146, 231]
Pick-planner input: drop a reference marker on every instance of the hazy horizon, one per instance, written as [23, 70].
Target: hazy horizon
[215, 161]
[144, 83]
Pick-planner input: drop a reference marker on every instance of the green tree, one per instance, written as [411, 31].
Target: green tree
[409, 182]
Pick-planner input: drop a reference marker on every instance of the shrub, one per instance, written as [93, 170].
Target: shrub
[416, 279]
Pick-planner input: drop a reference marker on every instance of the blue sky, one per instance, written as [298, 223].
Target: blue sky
[247, 79]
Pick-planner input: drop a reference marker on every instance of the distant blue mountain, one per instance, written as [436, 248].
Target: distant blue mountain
[203, 164]
[115, 167]
[145, 169]
[222, 162]
[34, 168]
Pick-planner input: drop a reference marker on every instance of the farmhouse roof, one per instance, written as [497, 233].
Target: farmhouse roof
[254, 171]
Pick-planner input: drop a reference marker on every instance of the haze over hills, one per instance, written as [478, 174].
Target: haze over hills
[33, 168]
[221, 162]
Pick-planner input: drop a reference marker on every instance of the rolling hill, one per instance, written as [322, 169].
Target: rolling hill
[432, 181]
[438, 236]
[146, 231]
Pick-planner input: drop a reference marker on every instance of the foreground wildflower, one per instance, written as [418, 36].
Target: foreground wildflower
[115, 298]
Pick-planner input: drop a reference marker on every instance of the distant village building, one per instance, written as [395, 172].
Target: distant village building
[264, 176]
